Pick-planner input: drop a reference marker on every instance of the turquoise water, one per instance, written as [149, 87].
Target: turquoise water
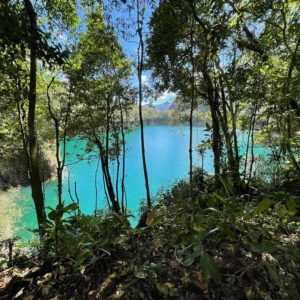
[167, 160]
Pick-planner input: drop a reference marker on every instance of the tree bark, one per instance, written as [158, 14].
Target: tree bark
[123, 159]
[140, 71]
[233, 164]
[107, 177]
[192, 109]
[216, 134]
[34, 167]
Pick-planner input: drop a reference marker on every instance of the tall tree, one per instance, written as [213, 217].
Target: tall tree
[34, 168]
[21, 32]
[99, 71]
[140, 10]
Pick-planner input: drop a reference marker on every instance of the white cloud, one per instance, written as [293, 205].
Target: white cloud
[166, 97]
[145, 80]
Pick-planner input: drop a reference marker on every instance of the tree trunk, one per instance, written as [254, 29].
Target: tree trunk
[123, 160]
[59, 163]
[96, 187]
[140, 71]
[107, 177]
[118, 171]
[216, 134]
[192, 110]
[252, 146]
[232, 162]
[34, 168]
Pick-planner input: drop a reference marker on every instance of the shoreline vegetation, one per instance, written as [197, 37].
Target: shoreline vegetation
[217, 234]
[13, 168]
[89, 69]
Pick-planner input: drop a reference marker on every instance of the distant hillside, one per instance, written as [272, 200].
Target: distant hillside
[160, 107]
[170, 106]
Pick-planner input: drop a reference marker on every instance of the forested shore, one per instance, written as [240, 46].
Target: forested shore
[90, 71]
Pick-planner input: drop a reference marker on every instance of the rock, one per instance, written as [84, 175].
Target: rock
[19, 294]
[4, 282]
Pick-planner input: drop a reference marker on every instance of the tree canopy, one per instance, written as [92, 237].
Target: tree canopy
[90, 71]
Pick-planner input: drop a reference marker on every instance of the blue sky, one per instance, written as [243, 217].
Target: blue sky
[130, 46]
[129, 43]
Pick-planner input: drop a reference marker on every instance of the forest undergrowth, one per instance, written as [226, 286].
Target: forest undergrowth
[216, 244]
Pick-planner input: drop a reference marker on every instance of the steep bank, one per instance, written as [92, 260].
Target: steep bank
[13, 167]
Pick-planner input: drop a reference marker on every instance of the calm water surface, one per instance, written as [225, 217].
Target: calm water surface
[167, 160]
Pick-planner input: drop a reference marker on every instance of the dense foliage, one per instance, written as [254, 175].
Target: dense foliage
[217, 246]
[234, 67]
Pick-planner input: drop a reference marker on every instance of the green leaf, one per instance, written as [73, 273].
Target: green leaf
[140, 274]
[50, 208]
[219, 197]
[52, 215]
[264, 246]
[208, 127]
[163, 288]
[290, 204]
[227, 186]
[199, 228]
[263, 205]
[55, 215]
[188, 260]
[71, 207]
[273, 273]
[227, 230]
[81, 258]
[212, 231]
[153, 219]
[213, 209]
[209, 268]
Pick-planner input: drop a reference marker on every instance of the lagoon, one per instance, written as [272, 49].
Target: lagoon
[167, 161]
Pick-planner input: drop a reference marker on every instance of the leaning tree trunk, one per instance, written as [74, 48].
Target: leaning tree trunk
[34, 168]
[107, 177]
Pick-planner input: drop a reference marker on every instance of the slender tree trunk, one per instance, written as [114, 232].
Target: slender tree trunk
[69, 188]
[216, 142]
[252, 145]
[107, 177]
[234, 133]
[21, 119]
[288, 146]
[96, 187]
[59, 161]
[294, 106]
[77, 198]
[118, 170]
[191, 148]
[57, 146]
[34, 167]
[216, 134]
[230, 135]
[192, 109]
[105, 189]
[247, 148]
[123, 160]
[232, 163]
[140, 72]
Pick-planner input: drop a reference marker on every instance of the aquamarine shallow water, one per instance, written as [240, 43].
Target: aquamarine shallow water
[167, 160]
